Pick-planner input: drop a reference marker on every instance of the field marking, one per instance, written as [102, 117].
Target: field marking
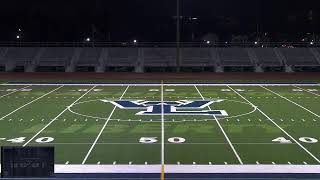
[14, 91]
[291, 101]
[182, 168]
[307, 91]
[222, 130]
[297, 142]
[95, 117]
[162, 133]
[30, 102]
[127, 143]
[166, 84]
[54, 119]
[102, 129]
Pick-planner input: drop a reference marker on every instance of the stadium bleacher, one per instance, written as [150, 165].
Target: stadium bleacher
[267, 57]
[56, 56]
[2, 53]
[196, 57]
[121, 57]
[141, 57]
[89, 57]
[20, 56]
[299, 57]
[158, 57]
[234, 57]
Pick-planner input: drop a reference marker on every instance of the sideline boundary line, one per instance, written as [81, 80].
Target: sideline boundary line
[183, 169]
[291, 101]
[307, 91]
[285, 132]
[166, 84]
[54, 119]
[29, 103]
[128, 143]
[102, 129]
[14, 91]
[222, 130]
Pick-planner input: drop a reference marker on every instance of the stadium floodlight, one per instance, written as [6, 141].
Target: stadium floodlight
[88, 39]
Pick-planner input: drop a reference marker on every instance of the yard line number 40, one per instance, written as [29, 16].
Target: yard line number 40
[308, 140]
[23, 139]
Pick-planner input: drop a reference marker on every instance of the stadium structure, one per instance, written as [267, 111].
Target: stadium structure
[167, 90]
[158, 57]
[123, 111]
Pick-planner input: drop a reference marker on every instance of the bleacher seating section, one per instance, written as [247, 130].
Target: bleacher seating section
[56, 56]
[2, 53]
[20, 56]
[121, 57]
[267, 57]
[299, 57]
[234, 57]
[89, 57]
[159, 57]
[197, 57]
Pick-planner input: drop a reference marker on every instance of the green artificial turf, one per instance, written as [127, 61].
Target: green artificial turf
[97, 132]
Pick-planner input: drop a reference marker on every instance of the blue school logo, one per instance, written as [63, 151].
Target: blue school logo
[182, 107]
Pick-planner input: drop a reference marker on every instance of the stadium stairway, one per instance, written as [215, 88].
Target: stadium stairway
[283, 59]
[316, 54]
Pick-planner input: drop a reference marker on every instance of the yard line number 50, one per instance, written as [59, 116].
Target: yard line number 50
[151, 140]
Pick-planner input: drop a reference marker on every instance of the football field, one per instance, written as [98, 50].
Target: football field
[174, 125]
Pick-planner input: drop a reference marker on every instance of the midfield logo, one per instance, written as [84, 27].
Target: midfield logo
[182, 107]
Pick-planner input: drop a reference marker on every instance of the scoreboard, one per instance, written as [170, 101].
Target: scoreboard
[18, 162]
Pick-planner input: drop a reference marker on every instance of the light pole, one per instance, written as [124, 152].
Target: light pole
[178, 37]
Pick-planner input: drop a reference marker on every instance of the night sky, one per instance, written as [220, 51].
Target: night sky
[152, 20]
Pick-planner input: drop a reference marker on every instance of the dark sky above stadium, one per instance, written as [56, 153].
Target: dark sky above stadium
[152, 20]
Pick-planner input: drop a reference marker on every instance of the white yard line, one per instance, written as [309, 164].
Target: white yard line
[285, 132]
[14, 91]
[222, 130]
[30, 102]
[291, 101]
[162, 127]
[54, 119]
[307, 91]
[102, 129]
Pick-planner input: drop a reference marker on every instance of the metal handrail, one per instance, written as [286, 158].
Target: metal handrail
[159, 44]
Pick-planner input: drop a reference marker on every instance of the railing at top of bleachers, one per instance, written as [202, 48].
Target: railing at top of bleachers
[161, 44]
